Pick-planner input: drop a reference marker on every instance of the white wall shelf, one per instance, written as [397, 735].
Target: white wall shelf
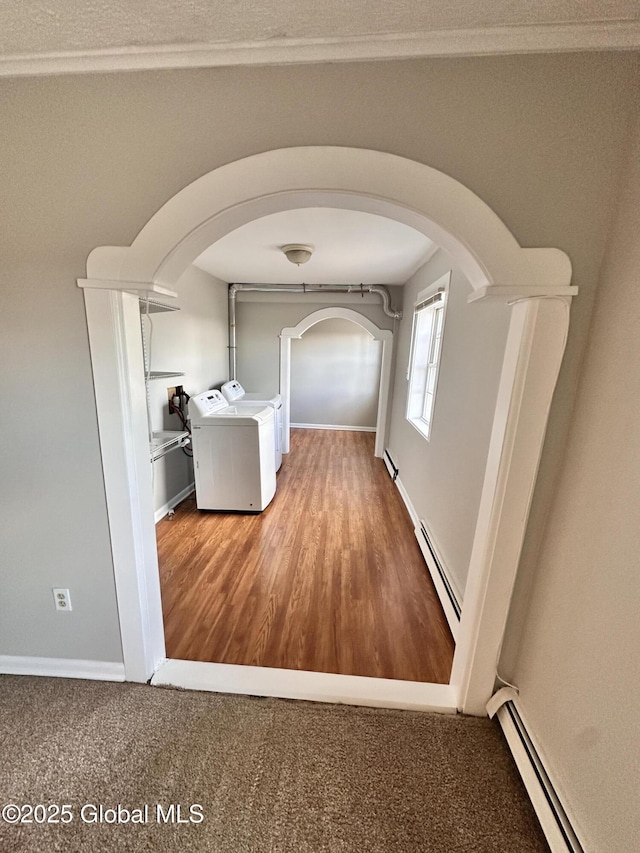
[162, 374]
[155, 306]
[166, 441]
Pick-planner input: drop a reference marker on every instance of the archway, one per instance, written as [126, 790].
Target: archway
[383, 335]
[376, 182]
[534, 281]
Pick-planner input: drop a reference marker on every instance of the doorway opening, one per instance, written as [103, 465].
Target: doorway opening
[535, 282]
[329, 577]
[384, 336]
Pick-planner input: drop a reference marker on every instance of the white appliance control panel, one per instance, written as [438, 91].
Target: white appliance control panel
[233, 390]
[208, 402]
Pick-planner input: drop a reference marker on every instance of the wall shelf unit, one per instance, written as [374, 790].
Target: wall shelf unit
[155, 306]
[162, 374]
[165, 441]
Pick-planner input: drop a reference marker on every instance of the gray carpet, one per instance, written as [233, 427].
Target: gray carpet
[270, 775]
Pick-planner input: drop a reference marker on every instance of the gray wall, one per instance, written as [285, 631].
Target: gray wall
[262, 316]
[443, 476]
[335, 375]
[86, 161]
[578, 663]
[194, 341]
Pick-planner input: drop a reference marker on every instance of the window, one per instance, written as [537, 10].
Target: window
[424, 357]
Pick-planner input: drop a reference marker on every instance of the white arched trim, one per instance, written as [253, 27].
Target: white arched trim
[337, 313]
[383, 335]
[535, 281]
[372, 181]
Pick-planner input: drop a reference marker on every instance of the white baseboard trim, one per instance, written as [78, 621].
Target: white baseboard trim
[555, 823]
[333, 426]
[453, 617]
[96, 670]
[407, 502]
[312, 686]
[160, 513]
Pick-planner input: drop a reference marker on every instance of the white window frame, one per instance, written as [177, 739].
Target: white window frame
[425, 354]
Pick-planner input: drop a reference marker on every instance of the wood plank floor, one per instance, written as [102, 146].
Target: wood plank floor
[329, 578]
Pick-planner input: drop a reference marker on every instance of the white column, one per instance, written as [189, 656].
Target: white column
[383, 396]
[535, 346]
[113, 319]
[285, 388]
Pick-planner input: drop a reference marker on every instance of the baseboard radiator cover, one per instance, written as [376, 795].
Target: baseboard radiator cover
[555, 822]
[449, 597]
[392, 468]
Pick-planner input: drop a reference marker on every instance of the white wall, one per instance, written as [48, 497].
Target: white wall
[443, 476]
[87, 160]
[194, 341]
[578, 667]
[335, 375]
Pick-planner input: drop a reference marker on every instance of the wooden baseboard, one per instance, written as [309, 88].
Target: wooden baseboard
[62, 668]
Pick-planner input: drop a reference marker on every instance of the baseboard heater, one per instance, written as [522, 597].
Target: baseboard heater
[551, 814]
[455, 604]
[392, 468]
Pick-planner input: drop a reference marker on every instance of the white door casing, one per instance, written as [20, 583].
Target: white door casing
[536, 281]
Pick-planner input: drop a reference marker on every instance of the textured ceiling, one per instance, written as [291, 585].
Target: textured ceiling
[349, 247]
[45, 26]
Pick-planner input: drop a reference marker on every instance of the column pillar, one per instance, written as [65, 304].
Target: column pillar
[535, 346]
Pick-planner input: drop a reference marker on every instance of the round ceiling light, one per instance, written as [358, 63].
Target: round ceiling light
[296, 253]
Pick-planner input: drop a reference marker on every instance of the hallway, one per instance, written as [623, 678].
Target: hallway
[329, 578]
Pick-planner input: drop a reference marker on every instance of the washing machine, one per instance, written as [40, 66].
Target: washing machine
[233, 457]
[235, 394]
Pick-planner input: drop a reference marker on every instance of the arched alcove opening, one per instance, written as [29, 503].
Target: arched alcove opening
[535, 281]
[385, 336]
[335, 378]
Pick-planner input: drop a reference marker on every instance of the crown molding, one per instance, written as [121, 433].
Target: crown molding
[545, 38]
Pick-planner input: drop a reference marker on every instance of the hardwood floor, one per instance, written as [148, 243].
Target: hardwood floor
[328, 578]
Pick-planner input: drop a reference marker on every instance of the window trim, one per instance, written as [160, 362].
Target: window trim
[435, 296]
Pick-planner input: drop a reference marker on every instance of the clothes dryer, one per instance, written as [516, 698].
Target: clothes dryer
[236, 395]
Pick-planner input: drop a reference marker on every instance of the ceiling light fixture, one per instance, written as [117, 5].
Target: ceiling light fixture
[296, 253]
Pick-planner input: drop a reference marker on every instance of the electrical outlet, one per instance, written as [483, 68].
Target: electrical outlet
[62, 599]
